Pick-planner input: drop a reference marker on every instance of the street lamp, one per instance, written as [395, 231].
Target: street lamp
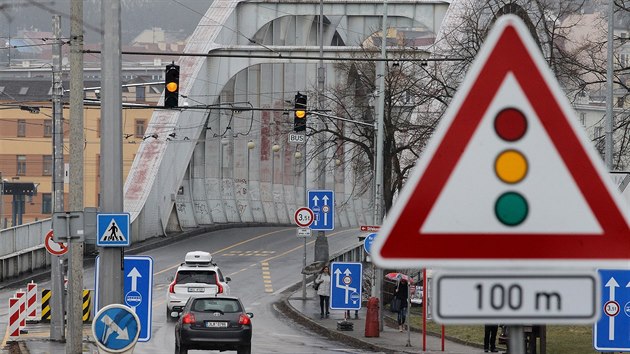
[250, 146]
[274, 148]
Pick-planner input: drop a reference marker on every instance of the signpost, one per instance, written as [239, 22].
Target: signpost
[345, 287]
[610, 333]
[137, 292]
[322, 204]
[116, 328]
[483, 182]
[112, 230]
[54, 248]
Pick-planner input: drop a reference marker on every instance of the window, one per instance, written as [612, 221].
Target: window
[140, 94]
[48, 128]
[21, 127]
[140, 128]
[583, 119]
[46, 203]
[47, 165]
[21, 165]
[598, 132]
[23, 90]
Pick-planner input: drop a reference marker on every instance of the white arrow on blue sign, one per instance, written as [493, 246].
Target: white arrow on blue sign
[116, 328]
[610, 333]
[322, 203]
[345, 285]
[137, 291]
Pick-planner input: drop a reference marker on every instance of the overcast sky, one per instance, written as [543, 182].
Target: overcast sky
[179, 17]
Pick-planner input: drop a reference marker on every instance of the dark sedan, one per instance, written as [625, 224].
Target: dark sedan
[214, 323]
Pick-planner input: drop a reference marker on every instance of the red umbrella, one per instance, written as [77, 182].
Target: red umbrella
[398, 276]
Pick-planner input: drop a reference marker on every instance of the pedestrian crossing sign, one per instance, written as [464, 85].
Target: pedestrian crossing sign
[112, 230]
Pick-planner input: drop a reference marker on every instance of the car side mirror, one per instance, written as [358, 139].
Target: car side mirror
[228, 279]
[250, 314]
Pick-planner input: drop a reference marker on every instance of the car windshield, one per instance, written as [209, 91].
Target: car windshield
[212, 305]
[195, 276]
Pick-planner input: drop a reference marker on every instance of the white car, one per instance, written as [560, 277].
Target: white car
[198, 275]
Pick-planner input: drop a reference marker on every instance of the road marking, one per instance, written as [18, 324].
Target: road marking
[228, 248]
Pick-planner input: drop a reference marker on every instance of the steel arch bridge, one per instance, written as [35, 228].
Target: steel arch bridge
[219, 165]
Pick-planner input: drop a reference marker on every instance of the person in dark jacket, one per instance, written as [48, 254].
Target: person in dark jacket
[402, 294]
[323, 279]
[490, 338]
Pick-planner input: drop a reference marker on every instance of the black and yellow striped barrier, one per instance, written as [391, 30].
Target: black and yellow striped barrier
[87, 305]
[46, 293]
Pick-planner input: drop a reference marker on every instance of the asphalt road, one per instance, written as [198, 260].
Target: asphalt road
[261, 262]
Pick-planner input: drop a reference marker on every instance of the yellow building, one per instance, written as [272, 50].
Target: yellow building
[26, 129]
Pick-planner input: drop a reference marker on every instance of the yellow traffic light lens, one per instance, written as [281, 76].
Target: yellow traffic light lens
[171, 86]
[300, 114]
[511, 166]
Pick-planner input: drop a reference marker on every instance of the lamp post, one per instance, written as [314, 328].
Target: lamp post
[274, 148]
[250, 146]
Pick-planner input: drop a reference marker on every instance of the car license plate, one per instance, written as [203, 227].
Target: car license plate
[195, 290]
[214, 324]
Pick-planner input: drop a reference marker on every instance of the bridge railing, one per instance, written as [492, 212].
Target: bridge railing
[22, 249]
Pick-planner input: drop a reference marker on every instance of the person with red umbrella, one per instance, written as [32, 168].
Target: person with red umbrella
[402, 294]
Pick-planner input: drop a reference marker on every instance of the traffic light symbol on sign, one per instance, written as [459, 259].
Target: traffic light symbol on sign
[171, 86]
[299, 114]
[511, 166]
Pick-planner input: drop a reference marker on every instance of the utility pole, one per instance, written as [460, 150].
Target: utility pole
[608, 138]
[380, 137]
[57, 313]
[110, 282]
[74, 344]
[321, 242]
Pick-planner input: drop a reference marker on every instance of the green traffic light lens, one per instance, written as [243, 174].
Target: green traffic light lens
[511, 209]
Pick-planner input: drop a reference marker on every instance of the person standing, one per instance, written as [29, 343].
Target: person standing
[402, 294]
[490, 338]
[323, 279]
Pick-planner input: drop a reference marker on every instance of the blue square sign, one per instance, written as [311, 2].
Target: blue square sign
[322, 204]
[345, 285]
[112, 230]
[610, 333]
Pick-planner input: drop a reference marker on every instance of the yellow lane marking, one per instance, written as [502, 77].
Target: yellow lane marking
[300, 247]
[228, 248]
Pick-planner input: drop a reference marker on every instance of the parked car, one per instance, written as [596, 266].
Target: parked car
[214, 323]
[198, 275]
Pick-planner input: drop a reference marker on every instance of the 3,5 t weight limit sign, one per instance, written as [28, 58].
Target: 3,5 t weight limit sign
[471, 298]
[303, 217]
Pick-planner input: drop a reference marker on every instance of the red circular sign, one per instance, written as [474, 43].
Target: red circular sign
[304, 217]
[54, 248]
[611, 308]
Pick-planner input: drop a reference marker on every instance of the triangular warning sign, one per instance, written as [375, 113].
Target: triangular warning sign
[113, 233]
[509, 177]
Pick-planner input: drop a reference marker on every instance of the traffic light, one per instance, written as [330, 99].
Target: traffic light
[299, 115]
[171, 86]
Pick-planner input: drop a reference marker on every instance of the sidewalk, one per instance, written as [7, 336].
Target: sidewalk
[390, 340]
